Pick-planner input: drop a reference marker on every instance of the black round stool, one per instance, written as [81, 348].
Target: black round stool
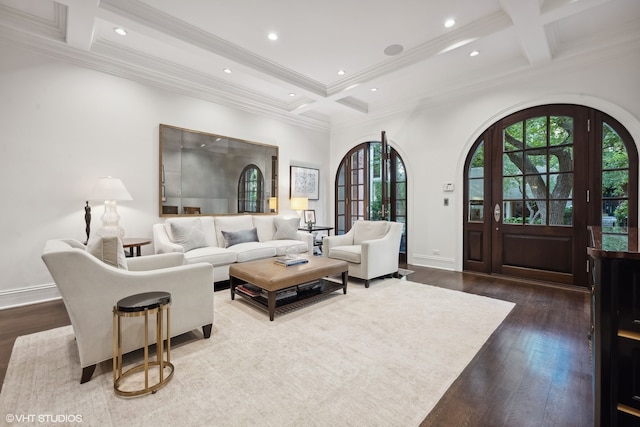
[137, 306]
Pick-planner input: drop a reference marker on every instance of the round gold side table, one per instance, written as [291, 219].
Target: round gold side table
[143, 305]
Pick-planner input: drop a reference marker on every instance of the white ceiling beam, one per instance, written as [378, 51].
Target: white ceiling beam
[81, 19]
[529, 26]
[554, 10]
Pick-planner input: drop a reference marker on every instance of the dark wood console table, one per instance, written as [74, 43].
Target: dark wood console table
[132, 243]
[615, 327]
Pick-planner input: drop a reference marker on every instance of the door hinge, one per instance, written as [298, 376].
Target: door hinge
[588, 196]
[588, 266]
[588, 125]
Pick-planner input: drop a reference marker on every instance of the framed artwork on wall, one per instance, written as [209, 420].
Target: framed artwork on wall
[310, 217]
[305, 182]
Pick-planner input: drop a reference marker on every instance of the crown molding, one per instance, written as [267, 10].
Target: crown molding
[152, 18]
[54, 28]
[146, 63]
[165, 76]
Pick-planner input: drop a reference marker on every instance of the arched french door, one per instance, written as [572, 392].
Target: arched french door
[535, 180]
[371, 184]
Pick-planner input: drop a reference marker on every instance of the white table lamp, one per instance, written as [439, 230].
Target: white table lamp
[273, 204]
[299, 204]
[110, 190]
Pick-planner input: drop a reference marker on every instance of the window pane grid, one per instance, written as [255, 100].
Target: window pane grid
[537, 171]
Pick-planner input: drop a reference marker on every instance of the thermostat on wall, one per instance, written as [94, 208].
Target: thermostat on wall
[448, 186]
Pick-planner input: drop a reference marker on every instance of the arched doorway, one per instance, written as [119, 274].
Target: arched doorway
[371, 184]
[534, 181]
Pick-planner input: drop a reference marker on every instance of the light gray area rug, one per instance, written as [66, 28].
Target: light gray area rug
[381, 356]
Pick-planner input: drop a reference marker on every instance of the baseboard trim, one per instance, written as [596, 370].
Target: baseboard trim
[441, 263]
[29, 295]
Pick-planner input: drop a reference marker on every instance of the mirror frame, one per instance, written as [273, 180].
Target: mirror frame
[269, 182]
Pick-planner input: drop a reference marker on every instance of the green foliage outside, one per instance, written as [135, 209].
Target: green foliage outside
[615, 173]
[615, 242]
[375, 202]
[622, 213]
[615, 164]
[538, 165]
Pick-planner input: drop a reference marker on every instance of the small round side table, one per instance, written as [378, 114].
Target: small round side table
[143, 305]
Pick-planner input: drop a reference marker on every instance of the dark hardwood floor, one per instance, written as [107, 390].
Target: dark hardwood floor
[535, 370]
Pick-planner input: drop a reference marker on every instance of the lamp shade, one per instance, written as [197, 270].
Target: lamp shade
[299, 203]
[110, 189]
[273, 203]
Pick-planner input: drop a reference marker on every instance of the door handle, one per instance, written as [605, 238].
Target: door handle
[496, 212]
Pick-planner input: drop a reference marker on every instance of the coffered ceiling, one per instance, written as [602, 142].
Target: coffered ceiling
[392, 52]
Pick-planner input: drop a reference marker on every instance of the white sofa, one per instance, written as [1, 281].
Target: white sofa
[211, 239]
[371, 249]
[90, 288]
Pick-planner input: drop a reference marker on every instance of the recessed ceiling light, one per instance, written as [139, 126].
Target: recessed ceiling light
[273, 36]
[474, 53]
[341, 72]
[374, 89]
[449, 23]
[292, 94]
[120, 31]
[227, 70]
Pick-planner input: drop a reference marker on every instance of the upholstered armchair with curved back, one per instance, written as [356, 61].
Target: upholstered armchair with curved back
[91, 280]
[370, 248]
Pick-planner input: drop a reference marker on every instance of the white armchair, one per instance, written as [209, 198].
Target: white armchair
[370, 248]
[90, 288]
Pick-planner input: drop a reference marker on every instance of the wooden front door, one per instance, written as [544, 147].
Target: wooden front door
[534, 181]
[538, 203]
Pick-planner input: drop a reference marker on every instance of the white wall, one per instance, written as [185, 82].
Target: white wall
[434, 136]
[63, 127]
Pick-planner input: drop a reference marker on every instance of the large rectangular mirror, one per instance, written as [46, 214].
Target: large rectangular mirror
[207, 174]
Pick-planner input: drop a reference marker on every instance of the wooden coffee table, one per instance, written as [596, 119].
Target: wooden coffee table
[304, 282]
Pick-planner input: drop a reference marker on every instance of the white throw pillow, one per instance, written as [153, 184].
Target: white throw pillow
[108, 250]
[188, 234]
[286, 229]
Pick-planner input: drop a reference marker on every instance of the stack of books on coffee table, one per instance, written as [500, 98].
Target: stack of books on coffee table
[290, 261]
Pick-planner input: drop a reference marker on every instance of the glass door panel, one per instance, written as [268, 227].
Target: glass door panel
[615, 183]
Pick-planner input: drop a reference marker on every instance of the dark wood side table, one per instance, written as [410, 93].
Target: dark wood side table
[314, 230]
[132, 243]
